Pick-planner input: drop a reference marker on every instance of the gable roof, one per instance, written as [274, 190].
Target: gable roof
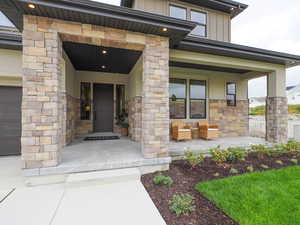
[228, 6]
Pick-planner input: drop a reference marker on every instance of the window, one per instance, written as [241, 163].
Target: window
[200, 19]
[177, 98]
[120, 104]
[178, 12]
[231, 94]
[85, 101]
[197, 99]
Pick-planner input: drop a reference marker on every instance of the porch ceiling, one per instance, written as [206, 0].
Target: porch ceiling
[90, 58]
[91, 12]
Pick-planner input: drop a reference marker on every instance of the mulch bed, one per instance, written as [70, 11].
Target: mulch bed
[185, 179]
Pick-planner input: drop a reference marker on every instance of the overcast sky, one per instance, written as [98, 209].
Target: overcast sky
[268, 24]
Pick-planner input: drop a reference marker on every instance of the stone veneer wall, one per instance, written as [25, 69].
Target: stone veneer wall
[135, 118]
[233, 121]
[44, 97]
[155, 98]
[276, 119]
[73, 115]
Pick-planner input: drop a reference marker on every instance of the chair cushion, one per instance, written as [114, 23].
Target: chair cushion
[213, 129]
[184, 130]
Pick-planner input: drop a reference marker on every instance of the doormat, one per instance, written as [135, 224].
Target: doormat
[101, 138]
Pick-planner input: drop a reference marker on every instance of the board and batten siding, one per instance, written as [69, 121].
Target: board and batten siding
[218, 23]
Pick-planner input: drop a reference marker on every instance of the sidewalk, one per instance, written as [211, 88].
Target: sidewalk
[125, 202]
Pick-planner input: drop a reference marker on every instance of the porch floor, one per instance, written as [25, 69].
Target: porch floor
[200, 145]
[85, 156]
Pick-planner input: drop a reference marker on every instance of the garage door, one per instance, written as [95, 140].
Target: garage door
[10, 120]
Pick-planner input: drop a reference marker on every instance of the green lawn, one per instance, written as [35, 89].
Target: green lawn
[262, 198]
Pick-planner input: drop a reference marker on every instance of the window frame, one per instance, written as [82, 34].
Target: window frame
[190, 100]
[185, 99]
[181, 7]
[189, 9]
[199, 24]
[89, 115]
[227, 94]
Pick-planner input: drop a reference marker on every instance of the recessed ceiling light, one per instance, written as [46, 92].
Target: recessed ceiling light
[32, 6]
[165, 29]
[231, 9]
[103, 67]
[104, 52]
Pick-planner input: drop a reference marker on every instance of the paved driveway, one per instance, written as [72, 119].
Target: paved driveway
[125, 202]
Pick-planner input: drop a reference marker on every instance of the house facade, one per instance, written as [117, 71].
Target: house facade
[80, 64]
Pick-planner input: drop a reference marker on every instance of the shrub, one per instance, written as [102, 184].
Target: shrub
[219, 155]
[250, 169]
[163, 180]
[182, 204]
[294, 161]
[236, 154]
[193, 159]
[233, 171]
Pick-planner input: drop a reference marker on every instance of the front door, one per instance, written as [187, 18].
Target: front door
[103, 107]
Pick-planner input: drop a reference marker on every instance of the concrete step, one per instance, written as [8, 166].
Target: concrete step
[103, 177]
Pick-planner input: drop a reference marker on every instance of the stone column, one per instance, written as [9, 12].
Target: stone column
[276, 108]
[43, 95]
[155, 98]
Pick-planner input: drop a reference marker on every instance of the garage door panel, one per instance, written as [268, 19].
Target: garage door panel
[10, 120]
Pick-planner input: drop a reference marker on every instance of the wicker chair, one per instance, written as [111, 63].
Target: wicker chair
[180, 131]
[207, 131]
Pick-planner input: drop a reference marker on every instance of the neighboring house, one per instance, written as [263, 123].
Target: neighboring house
[81, 63]
[292, 93]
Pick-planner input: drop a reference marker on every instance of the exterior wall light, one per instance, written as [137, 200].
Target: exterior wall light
[165, 29]
[32, 6]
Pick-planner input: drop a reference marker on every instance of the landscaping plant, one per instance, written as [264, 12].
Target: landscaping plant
[294, 161]
[194, 159]
[219, 155]
[264, 166]
[163, 180]
[233, 170]
[236, 154]
[250, 169]
[261, 151]
[182, 204]
[289, 147]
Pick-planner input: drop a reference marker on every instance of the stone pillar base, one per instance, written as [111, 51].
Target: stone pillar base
[276, 119]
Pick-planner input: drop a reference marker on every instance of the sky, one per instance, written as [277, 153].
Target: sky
[268, 24]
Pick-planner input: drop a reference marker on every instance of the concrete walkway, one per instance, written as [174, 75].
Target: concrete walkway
[94, 198]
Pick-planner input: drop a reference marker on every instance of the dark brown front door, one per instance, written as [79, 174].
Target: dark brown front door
[10, 120]
[103, 107]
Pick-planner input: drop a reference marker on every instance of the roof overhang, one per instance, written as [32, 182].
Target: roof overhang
[227, 49]
[10, 39]
[90, 12]
[228, 6]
